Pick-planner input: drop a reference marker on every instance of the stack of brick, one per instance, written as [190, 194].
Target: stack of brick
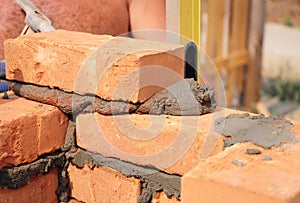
[124, 158]
[31, 135]
[39, 59]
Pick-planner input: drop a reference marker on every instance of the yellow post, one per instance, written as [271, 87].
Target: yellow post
[190, 24]
[190, 20]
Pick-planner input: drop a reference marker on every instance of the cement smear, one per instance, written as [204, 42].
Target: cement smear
[263, 131]
[183, 98]
[71, 103]
[63, 190]
[186, 97]
[70, 140]
[252, 151]
[19, 176]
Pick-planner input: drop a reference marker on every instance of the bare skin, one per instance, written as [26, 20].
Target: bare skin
[145, 14]
[112, 17]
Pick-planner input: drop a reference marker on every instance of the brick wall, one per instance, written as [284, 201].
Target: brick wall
[50, 155]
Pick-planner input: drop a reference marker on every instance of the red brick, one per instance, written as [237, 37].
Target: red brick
[217, 179]
[162, 198]
[28, 129]
[74, 201]
[41, 188]
[127, 68]
[114, 137]
[102, 184]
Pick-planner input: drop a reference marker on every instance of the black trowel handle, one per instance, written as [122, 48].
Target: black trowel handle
[191, 61]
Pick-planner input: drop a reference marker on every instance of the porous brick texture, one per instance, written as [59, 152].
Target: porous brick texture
[28, 129]
[41, 188]
[162, 198]
[86, 63]
[102, 184]
[74, 201]
[234, 176]
[171, 143]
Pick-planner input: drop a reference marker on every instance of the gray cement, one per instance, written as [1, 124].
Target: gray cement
[238, 162]
[183, 98]
[252, 151]
[263, 131]
[70, 140]
[16, 177]
[186, 97]
[63, 190]
[71, 103]
[266, 158]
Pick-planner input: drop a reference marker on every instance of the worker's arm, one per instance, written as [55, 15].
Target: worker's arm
[11, 22]
[148, 14]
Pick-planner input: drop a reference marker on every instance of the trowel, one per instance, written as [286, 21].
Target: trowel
[191, 61]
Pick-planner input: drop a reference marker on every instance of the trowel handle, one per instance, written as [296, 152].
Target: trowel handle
[35, 19]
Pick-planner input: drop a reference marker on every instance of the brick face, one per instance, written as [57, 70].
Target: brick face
[41, 188]
[133, 64]
[102, 184]
[28, 129]
[73, 201]
[172, 143]
[218, 179]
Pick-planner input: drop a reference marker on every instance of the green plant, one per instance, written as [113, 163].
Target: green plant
[288, 22]
[285, 90]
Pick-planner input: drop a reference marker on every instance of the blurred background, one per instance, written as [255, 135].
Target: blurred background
[255, 45]
[281, 58]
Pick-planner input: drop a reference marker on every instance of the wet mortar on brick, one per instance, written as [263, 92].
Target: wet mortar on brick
[199, 100]
[16, 177]
[152, 179]
[262, 131]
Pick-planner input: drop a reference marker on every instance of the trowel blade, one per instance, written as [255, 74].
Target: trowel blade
[191, 61]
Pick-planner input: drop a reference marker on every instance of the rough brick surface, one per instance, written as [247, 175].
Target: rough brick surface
[102, 184]
[28, 129]
[171, 143]
[73, 201]
[249, 179]
[40, 189]
[120, 69]
[162, 198]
